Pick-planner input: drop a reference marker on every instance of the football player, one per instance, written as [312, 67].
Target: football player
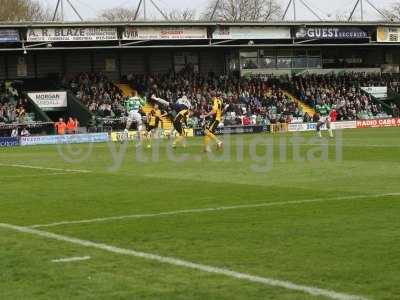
[215, 116]
[134, 106]
[153, 121]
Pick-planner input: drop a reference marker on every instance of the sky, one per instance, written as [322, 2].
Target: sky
[327, 9]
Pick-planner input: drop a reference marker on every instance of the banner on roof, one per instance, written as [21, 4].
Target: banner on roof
[164, 33]
[388, 35]
[331, 33]
[9, 36]
[379, 92]
[71, 34]
[49, 100]
[251, 33]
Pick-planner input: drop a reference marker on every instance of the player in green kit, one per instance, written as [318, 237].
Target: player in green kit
[134, 106]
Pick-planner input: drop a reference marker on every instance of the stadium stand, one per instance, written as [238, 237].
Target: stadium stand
[13, 107]
[342, 91]
[98, 93]
[257, 99]
[252, 101]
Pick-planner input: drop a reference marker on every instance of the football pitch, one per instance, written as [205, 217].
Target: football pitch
[270, 217]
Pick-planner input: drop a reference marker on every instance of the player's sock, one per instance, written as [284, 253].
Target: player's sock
[319, 133]
[139, 136]
[213, 137]
[206, 141]
[125, 136]
[148, 137]
[177, 140]
[331, 133]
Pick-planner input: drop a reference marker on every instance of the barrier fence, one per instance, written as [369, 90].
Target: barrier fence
[120, 136]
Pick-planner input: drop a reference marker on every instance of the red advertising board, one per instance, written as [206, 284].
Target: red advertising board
[393, 122]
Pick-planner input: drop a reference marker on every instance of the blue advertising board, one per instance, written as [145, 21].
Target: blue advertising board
[9, 36]
[65, 139]
[9, 142]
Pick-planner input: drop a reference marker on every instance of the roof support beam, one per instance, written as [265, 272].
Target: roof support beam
[137, 10]
[60, 3]
[293, 4]
[214, 10]
[56, 10]
[361, 4]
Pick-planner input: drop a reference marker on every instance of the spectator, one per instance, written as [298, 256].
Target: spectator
[14, 132]
[61, 127]
[395, 110]
[306, 118]
[70, 126]
[77, 125]
[25, 132]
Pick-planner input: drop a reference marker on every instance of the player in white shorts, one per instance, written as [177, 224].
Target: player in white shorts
[133, 106]
[327, 121]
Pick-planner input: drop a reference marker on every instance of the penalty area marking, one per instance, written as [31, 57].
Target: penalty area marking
[43, 168]
[187, 264]
[71, 259]
[212, 209]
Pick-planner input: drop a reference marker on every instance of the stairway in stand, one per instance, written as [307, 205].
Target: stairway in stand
[126, 89]
[306, 108]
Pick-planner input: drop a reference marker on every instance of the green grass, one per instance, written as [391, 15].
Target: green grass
[349, 246]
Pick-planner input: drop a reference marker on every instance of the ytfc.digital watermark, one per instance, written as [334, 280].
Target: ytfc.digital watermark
[259, 152]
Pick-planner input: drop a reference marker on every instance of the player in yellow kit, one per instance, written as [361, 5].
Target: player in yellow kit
[153, 121]
[180, 122]
[215, 116]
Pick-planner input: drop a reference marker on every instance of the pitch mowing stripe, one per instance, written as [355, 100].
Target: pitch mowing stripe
[187, 264]
[211, 209]
[44, 168]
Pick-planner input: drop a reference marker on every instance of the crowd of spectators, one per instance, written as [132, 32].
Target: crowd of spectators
[102, 97]
[253, 101]
[250, 100]
[247, 98]
[13, 107]
[344, 92]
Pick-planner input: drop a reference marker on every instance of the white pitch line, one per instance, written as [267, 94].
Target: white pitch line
[211, 209]
[187, 264]
[43, 168]
[71, 259]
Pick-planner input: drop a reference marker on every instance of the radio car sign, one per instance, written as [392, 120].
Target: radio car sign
[49, 100]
